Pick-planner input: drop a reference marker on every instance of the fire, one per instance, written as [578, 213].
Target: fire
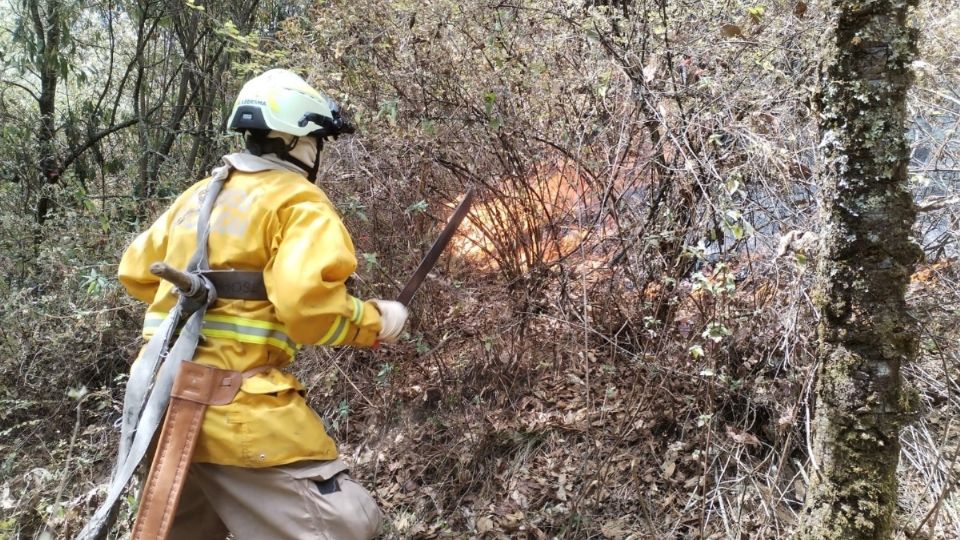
[530, 221]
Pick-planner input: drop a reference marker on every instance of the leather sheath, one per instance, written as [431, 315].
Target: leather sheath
[195, 387]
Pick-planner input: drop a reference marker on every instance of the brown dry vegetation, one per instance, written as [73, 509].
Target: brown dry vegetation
[613, 349]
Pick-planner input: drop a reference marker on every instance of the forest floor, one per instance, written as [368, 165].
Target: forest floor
[506, 422]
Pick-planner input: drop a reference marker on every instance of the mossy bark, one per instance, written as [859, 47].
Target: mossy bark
[866, 258]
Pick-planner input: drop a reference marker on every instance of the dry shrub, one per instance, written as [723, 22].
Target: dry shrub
[615, 335]
[613, 348]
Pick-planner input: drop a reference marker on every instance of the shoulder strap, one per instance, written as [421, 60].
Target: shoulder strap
[152, 376]
[200, 260]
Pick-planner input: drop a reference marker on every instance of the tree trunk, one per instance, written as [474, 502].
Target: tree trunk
[866, 259]
[47, 26]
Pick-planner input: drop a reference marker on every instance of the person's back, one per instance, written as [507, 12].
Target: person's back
[267, 450]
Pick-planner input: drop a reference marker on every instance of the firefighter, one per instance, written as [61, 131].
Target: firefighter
[264, 466]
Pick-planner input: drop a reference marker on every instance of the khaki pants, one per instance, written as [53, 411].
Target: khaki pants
[306, 500]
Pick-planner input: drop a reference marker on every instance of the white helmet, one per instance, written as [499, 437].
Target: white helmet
[279, 100]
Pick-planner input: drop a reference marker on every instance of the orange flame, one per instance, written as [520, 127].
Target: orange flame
[536, 220]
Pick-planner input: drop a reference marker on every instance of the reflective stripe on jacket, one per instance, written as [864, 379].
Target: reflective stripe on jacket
[276, 221]
[235, 328]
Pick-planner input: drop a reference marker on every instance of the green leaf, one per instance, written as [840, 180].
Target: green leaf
[388, 109]
[756, 13]
[94, 282]
[429, 128]
[77, 393]
[418, 207]
[371, 260]
[383, 376]
[488, 100]
[716, 332]
[354, 207]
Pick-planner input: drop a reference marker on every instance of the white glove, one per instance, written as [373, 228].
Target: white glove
[393, 315]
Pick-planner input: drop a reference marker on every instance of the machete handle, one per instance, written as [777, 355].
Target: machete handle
[181, 280]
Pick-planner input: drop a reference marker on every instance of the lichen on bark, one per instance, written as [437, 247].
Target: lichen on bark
[866, 258]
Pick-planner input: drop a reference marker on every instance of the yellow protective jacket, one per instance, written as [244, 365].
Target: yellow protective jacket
[267, 218]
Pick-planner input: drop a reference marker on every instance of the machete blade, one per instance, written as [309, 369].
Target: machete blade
[436, 249]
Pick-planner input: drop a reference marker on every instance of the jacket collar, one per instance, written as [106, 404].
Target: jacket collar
[247, 162]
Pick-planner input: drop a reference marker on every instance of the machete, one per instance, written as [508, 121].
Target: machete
[436, 249]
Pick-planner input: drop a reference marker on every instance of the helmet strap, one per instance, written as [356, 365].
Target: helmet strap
[311, 172]
[316, 161]
[259, 144]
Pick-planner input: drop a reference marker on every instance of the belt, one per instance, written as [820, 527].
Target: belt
[195, 387]
[237, 284]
